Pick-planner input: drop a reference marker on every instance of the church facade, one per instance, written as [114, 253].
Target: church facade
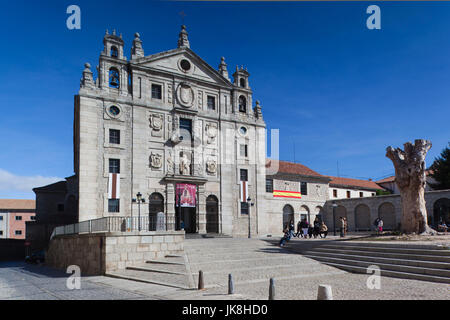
[174, 130]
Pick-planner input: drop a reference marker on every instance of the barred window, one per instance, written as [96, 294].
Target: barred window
[269, 185]
[244, 175]
[211, 103]
[114, 165]
[304, 188]
[114, 136]
[244, 208]
[113, 205]
[156, 91]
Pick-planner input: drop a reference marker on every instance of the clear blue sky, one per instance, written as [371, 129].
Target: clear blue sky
[338, 91]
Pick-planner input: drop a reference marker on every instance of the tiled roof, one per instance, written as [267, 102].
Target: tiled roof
[293, 168]
[348, 182]
[17, 204]
[392, 178]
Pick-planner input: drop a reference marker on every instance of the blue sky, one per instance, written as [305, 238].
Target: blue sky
[337, 91]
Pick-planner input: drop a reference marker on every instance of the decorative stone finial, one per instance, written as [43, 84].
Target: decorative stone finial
[87, 65]
[106, 33]
[183, 41]
[223, 68]
[136, 50]
[257, 110]
[114, 32]
[87, 81]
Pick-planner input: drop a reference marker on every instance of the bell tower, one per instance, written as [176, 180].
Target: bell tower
[113, 73]
[242, 94]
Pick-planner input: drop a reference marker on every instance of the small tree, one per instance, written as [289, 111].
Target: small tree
[441, 170]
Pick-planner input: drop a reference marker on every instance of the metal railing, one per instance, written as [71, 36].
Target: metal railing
[117, 224]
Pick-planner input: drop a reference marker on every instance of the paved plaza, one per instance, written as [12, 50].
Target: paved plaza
[252, 262]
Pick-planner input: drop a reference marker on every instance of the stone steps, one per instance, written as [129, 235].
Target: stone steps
[429, 263]
[169, 271]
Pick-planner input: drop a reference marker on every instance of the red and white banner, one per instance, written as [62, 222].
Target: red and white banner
[114, 186]
[186, 195]
[244, 191]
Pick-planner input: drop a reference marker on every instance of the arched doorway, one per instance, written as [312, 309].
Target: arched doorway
[386, 212]
[341, 211]
[362, 217]
[155, 205]
[441, 212]
[319, 213]
[305, 213]
[288, 215]
[212, 214]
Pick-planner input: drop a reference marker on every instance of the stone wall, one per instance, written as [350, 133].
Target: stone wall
[98, 253]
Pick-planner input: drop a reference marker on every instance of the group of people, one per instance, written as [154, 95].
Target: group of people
[378, 224]
[304, 230]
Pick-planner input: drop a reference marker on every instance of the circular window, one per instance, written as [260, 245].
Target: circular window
[243, 130]
[114, 110]
[185, 65]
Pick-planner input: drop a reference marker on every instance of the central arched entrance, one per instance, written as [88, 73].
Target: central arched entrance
[362, 218]
[386, 212]
[212, 214]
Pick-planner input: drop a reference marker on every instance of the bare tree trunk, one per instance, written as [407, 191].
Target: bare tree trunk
[411, 179]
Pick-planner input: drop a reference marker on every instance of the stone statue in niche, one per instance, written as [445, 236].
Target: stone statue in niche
[211, 133]
[155, 160]
[170, 164]
[185, 164]
[156, 123]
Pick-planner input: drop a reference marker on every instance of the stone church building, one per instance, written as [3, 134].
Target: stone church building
[173, 129]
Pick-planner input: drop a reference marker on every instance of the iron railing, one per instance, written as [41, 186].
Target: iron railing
[117, 224]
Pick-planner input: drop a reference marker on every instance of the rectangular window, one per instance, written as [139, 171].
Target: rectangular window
[373, 194]
[361, 195]
[114, 136]
[1, 218]
[334, 193]
[244, 175]
[269, 185]
[156, 91]
[18, 232]
[348, 194]
[303, 188]
[244, 208]
[243, 150]
[1, 232]
[60, 207]
[186, 129]
[113, 205]
[33, 218]
[18, 218]
[211, 103]
[114, 165]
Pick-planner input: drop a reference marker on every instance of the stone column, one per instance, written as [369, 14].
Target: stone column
[201, 223]
[170, 206]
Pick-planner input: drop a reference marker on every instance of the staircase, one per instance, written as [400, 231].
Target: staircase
[428, 263]
[169, 271]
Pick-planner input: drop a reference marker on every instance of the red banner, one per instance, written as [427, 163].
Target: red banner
[186, 195]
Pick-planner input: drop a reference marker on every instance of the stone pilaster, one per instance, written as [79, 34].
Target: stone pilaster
[170, 206]
[201, 210]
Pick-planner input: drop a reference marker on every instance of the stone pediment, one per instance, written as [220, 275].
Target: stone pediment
[185, 62]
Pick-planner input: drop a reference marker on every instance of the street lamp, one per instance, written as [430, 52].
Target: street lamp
[334, 205]
[139, 200]
[249, 204]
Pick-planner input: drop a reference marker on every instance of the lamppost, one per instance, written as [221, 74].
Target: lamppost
[334, 205]
[249, 204]
[140, 200]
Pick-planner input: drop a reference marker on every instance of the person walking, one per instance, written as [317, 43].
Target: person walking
[299, 229]
[291, 228]
[380, 226]
[342, 222]
[316, 229]
[305, 228]
[345, 226]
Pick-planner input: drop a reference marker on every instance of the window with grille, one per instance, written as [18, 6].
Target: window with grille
[18, 218]
[269, 185]
[114, 165]
[113, 205]
[156, 91]
[303, 188]
[244, 207]
[244, 175]
[211, 103]
[114, 136]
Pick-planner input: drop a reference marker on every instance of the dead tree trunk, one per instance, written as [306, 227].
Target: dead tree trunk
[410, 178]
